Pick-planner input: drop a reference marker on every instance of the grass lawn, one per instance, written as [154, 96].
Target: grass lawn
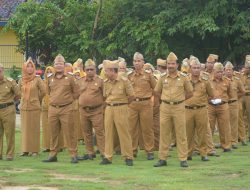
[230, 171]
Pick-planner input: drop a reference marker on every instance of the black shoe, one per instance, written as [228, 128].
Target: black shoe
[189, 158]
[46, 150]
[248, 139]
[129, 162]
[161, 163]
[213, 153]
[134, 155]
[1, 157]
[204, 158]
[51, 159]
[105, 161]
[227, 150]
[9, 159]
[184, 164]
[97, 151]
[24, 154]
[86, 157]
[234, 146]
[243, 143]
[150, 156]
[74, 160]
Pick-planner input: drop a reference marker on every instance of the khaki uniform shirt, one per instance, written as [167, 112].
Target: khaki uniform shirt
[117, 91]
[91, 91]
[37, 92]
[173, 89]
[237, 86]
[246, 82]
[8, 90]
[202, 90]
[62, 91]
[143, 83]
[222, 89]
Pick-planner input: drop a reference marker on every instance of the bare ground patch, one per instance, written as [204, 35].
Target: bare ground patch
[18, 170]
[86, 179]
[33, 187]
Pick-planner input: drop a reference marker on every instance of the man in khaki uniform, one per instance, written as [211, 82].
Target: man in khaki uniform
[118, 92]
[141, 109]
[212, 58]
[162, 68]
[8, 92]
[246, 98]
[173, 88]
[62, 91]
[196, 110]
[218, 109]
[237, 92]
[91, 110]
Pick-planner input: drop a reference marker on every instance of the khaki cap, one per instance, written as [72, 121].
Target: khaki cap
[161, 62]
[171, 57]
[229, 65]
[89, 62]
[218, 66]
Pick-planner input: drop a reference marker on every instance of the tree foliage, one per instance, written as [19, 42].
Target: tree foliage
[152, 27]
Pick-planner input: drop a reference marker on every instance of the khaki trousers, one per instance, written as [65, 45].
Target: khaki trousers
[234, 120]
[220, 114]
[62, 119]
[173, 116]
[93, 119]
[7, 127]
[141, 116]
[116, 117]
[196, 120]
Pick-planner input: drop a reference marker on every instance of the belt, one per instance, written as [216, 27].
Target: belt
[141, 99]
[116, 104]
[88, 108]
[194, 107]
[232, 101]
[60, 106]
[172, 103]
[247, 94]
[2, 106]
[217, 104]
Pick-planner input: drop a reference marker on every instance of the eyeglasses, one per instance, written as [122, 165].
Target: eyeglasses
[89, 69]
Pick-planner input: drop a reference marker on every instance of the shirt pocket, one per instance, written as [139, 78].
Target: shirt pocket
[118, 91]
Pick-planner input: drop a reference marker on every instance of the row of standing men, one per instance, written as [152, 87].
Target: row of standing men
[153, 109]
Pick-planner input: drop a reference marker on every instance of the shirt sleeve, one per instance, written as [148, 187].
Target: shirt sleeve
[158, 87]
[15, 89]
[129, 88]
[209, 89]
[188, 86]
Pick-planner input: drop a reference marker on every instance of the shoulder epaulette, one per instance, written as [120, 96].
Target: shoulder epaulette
[237, 78]
[130, 72]
[163, 74]
[50, 75]
[70, 73]
[105, 80]
[183, 74]
[205, 73]
[204, 77]
[147, 71]
[226, 78]
[9, 79]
